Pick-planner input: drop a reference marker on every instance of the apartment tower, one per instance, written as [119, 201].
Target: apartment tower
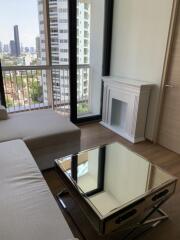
[16, 40]
[58, 16]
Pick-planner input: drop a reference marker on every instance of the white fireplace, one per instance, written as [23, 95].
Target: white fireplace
[125, 106]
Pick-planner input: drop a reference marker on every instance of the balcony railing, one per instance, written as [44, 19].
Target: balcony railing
[36, 87]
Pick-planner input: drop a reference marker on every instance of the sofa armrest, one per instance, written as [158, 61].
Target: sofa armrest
[3, 113]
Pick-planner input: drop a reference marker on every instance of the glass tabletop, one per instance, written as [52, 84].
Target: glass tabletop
[112, 176]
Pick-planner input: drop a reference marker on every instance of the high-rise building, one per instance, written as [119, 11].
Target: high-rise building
[26, 49]
[12, 48]
[58, 16]
[16, 40]
[22, 48]
[6, 48]
[38, 47]
[1, 49]
[32, 50]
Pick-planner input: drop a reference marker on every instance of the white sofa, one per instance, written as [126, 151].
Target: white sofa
[27, 208]
[47, 135]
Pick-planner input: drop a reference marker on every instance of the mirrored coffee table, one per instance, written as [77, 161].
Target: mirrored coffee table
[116, 188]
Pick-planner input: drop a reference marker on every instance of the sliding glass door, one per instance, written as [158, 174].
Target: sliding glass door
[90, 31]
[90, 36]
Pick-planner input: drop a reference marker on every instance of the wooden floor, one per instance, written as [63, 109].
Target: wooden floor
[93, 135]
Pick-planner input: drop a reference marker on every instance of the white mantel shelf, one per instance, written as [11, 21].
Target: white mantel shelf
[126, 81]
[125, 106]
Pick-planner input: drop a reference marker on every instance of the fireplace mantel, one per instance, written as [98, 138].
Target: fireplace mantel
[125, 106]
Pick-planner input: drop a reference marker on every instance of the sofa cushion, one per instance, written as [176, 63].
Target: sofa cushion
[3, 113]
[27, 208]
[47, 134]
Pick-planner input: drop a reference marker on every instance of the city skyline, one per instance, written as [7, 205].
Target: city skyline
[22, 45]
[27, 21]
[16, 46]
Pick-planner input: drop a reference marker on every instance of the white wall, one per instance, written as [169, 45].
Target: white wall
[140, 31]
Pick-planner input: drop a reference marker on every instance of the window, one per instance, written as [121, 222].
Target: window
[54, 30]
[20, 41]
[86, 24]
[63, 21]
[86, 51]
[86, 60]
[54, 49]
[40, 45]
[63, 50]
[86, 34]
[63, 59]
[63, 10]
[55, 58]
[63, 41]
[54, 40]
[86, 15]
[54, 20]
[86, 43]
[86, 6]
[63, 31]
[53, 10]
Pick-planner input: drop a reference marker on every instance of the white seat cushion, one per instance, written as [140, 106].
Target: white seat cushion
[47, 134]
[27, 208]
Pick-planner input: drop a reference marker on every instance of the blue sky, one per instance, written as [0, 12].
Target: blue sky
[23, 13]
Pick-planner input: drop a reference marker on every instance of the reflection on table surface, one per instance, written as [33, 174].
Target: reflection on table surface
[112, 175]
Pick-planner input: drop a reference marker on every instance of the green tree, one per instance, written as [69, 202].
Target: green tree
[82, 108]
[35, 90]
[9, 103]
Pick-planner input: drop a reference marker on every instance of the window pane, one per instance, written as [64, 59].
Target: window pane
[19, 33]
[58, 17]
[25, 42]
[90, 25]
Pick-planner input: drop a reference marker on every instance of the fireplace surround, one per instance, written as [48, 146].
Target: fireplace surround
[125, 107]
